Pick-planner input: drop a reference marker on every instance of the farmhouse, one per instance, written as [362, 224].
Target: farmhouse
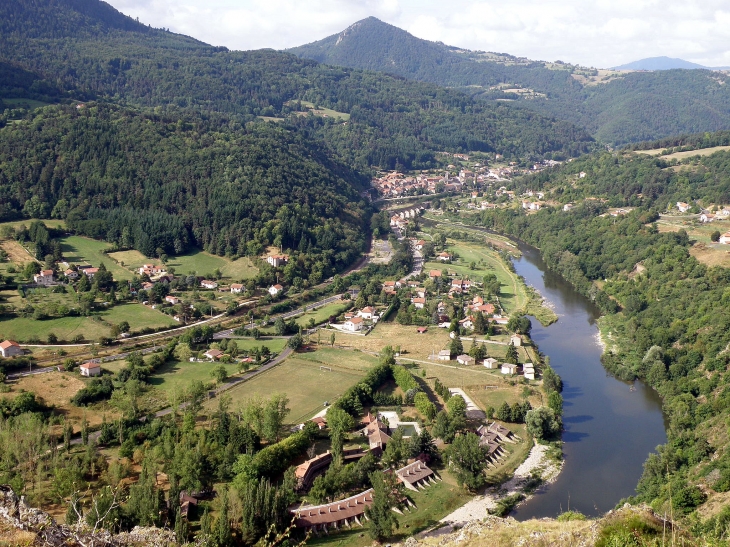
[434, 274]
[353, 325]
[71, 274]
[174, 300]
[208, 284]
[90, 272]
[275, 289]
[90, 369]
[213, 354]
[277, 260]
[10, 348]
[419, 303]
[683, 207]
[707, 217]
[44, 278]
[445, 257]
[237, 288]
[150, 270]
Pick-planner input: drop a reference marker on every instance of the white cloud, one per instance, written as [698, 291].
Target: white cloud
[595, 33]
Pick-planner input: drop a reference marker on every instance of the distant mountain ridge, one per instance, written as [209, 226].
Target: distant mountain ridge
[660, 63]
[615, 107]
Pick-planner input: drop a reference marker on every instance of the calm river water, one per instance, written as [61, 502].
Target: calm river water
[609, 429]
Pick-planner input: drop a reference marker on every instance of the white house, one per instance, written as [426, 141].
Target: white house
[419, 303]
[567, 207]
[275, 289]
[444, 257]
[71, 274]
[683, 207]
[725, 238]
[509, 368]
[491, 363]
[213, 354]
[367, 312]
[10, 348]
[90, 369]
[515, 340]
[707, 217]
[44, 278]
[465, 360]
[444, 355]
[237, 288]
[90, 272]
[353, 325]
[150, 270]
[277, 260]
[208, 284]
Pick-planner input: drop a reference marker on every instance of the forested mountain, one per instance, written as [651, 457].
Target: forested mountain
[392, 121]
[155, 181]
[666, 314]
[615, 108]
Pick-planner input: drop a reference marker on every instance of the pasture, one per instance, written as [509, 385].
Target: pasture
[180, 374]
[194, 263]
[685, 154]
[303, 381]
[82, 250]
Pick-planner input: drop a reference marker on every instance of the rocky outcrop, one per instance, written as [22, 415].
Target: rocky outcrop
[15, 512]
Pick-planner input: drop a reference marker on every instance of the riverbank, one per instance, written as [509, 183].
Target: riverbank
[538, 464]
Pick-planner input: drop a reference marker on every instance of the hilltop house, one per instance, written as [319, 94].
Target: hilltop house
[277, 260]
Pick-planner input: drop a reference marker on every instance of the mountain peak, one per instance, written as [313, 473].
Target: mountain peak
[659, 63]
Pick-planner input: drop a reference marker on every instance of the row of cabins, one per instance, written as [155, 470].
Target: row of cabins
[492, 437]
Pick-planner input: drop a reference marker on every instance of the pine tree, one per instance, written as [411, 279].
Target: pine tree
[385, 497]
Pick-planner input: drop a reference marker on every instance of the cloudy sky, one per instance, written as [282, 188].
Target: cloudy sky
[600, 33]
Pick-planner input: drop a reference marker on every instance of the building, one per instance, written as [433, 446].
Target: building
[174, 300]
[415, 476]
[213, 354]
[237, 288]
[10, 348]
[683, 207]
[491, 363]
[90, 369]
[150, 270]
[277, 260]
[338, 514]
[444, 355]
[44, 278]
[434, 274]
[367, 312]
[275, 289]
[208, 284]
[707, 217]
[465, 360]
[419, 303]
[90, 272]
[355, 324]
[725, 238]
[71, 274]
[509, 368]
[515, 340]
[377, 435]
[445, 257]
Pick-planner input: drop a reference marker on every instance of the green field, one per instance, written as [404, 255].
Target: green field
[82, 250]
[50, 223]
[306, 386]
[196, 262]
[320, 315]
[30, 103]
[180, 375]
[92, 327]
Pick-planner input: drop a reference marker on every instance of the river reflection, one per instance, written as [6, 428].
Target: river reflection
[610, 426]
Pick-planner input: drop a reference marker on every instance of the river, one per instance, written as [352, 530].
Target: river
[610, 427]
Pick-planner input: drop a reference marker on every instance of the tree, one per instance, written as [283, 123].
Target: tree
[339, 423]
[386, 495]
[469, 460]
[442, 427]
[223, 524]
[456, 347]
[512, 356]
[219, 373]
[542, 422]
[715, 236]
[295, 342]
[555, 402]
[504, 412]
[274, 412]
[550, 380]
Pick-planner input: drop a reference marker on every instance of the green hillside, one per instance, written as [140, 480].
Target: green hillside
[630, 107]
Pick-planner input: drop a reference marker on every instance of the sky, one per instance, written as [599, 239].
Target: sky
[597, 33]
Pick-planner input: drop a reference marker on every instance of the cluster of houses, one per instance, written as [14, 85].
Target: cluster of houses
[351, 511]
[401, 219]
[356, 321]
[48, 278]
[493, 437]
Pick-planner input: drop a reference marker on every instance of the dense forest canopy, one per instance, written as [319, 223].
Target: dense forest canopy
[161, 181]
[629, 108]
